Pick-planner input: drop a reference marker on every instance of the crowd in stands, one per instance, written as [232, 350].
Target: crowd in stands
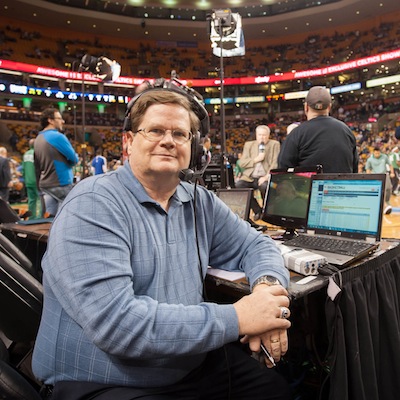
[154, 60]
[104, 132]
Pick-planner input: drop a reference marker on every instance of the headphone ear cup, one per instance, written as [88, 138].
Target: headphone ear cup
[196, 152]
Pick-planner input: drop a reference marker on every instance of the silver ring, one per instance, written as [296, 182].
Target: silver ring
[284, 312]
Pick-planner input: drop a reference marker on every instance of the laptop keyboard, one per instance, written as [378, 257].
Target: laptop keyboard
[330, 245]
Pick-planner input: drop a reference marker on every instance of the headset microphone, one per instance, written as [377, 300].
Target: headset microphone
[188, 175]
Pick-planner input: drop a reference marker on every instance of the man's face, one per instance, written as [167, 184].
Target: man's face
[262, 136]
[57, 122]
[164, 158]
[377, 153]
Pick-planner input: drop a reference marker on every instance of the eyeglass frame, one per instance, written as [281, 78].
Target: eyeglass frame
[145, 134]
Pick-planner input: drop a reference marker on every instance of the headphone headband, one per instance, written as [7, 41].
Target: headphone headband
[173, 85]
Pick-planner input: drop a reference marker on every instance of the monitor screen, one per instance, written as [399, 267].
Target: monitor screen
[238, 200]
[347, 205]
[286, 199]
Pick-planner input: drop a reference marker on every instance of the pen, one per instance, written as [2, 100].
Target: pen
[266, 352]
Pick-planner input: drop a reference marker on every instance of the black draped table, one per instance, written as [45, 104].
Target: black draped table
[356, 335]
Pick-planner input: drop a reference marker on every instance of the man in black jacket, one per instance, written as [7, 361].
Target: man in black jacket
[5, 175]
[321, 139]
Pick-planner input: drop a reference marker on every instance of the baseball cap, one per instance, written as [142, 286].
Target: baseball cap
[318, 98]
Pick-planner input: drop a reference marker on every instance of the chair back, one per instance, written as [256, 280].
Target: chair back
[7, 214]
[14, 385]
[21, 301]
[9, 248]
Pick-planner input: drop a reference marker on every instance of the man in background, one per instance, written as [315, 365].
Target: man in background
[321, 140]
[394, 158]
[206, 156]
[99, 164]
[5, 175]
[54, 159]
[29, 174]
[258, 158]
[378, 163]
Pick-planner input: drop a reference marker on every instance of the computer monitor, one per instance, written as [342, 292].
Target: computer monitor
[238, 200]
[286, 199]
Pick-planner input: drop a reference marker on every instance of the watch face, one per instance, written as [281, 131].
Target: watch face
[271, 279]
[267, 280]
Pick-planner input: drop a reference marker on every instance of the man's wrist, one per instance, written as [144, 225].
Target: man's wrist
[265, 280]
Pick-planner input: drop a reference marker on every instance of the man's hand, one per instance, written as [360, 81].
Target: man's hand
[259, 158]
[275, 341]
[260, 311]
[263, 179]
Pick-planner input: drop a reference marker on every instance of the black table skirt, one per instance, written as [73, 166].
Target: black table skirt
[363, 324]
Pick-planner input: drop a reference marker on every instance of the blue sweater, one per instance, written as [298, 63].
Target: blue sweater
[122, 290]
[54, 159]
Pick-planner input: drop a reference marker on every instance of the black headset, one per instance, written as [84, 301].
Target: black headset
[196, 100]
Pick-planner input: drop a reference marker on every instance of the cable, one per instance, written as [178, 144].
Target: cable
[202, 279]
[205, 296]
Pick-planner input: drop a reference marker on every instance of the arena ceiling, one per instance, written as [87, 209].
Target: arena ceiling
[93, 16]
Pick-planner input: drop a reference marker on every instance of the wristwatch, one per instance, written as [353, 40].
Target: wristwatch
[267, 280]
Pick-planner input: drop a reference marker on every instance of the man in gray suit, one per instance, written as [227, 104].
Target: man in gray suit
[258, 158]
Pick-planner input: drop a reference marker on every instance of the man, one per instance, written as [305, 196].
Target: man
[394, 158]
[124, 314]
[206, 154]
[321, 140]
[99, 164]
[378, 163]
[54, 159]
[258, 158]
[29, 174]
[5, 175]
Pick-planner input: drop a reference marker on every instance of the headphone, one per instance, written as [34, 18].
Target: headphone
[196, 101]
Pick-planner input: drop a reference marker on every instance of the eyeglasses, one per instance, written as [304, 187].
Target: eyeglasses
[62, 119]
[179, 136]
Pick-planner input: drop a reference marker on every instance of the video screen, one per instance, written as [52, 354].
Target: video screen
[286, 200]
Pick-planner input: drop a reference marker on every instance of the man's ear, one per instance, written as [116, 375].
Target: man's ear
[128, 141]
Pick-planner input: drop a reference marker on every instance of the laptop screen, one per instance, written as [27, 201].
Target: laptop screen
[238, 200]
[347, 205]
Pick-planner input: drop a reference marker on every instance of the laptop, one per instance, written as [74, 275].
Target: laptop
[347, 209]
[238, 200]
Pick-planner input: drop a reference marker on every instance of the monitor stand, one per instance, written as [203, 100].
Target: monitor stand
[289, 233]
[260, 228]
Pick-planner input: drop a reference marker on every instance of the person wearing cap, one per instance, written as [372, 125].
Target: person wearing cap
[125, 311]
[322, 139]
